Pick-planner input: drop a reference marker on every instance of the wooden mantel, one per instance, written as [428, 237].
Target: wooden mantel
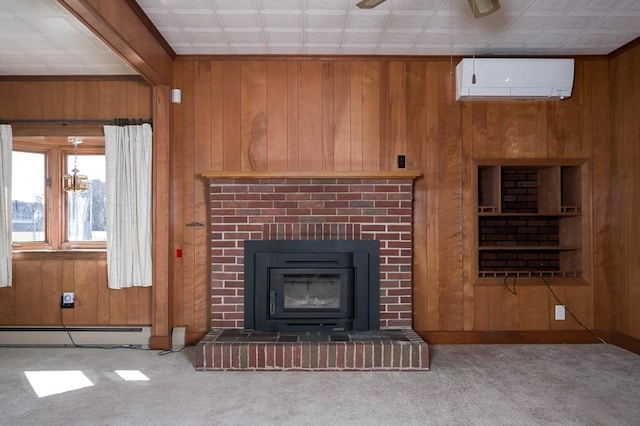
[323, 174]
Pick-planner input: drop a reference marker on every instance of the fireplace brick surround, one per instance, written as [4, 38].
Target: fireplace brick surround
[310, 206]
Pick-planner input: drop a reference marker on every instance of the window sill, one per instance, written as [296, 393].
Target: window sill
[84, 254]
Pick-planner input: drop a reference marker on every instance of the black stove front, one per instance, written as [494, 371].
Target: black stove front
[311, 285]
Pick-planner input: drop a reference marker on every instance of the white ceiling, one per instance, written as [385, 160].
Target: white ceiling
[39, 37]
[396, 27]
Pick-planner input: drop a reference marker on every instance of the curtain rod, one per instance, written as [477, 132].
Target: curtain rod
[64, 122]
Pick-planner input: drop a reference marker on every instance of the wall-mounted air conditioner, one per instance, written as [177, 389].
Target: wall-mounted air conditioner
[492, 78]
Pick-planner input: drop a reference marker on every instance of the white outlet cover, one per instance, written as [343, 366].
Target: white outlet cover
[560, 313]
[68, 297]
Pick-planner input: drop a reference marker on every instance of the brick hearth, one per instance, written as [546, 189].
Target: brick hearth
[382, 350]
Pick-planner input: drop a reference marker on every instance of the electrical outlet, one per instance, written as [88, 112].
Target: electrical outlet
[560, 313]
[67, 300]
[402, 161]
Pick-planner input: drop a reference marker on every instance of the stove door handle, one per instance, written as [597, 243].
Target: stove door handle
[272, 302]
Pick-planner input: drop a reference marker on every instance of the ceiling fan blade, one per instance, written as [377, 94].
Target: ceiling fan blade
[369, 4]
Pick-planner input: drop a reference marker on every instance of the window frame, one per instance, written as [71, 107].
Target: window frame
[56, 150]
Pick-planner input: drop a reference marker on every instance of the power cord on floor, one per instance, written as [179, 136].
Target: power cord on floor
[75, 345]
[171, 351]
[555, 296]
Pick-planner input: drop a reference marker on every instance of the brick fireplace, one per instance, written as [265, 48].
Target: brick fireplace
[312, 206]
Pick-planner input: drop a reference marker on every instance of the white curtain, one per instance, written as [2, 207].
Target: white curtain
[6, 148]
[129, 190]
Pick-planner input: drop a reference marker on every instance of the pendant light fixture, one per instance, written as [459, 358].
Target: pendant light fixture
[75, 182]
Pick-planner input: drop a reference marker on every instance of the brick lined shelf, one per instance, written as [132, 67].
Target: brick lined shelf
[530, 222]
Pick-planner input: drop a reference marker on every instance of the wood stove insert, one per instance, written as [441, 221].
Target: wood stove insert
[311, 285]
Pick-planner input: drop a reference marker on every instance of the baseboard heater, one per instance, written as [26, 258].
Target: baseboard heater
[84, 336]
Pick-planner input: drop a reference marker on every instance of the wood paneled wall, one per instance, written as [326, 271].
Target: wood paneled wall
[40, 278]
[49, 99]
[623, 263]
[285, 115]
[38, 283]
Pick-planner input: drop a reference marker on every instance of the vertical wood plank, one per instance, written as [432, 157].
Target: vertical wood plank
[397, 112]
[495, 305]
[8, 305]
[69, 107]
[371, 115]
[356, 143]
[310, 116]
[416, 131]
[202, 162]
[510, 307]
[510, 129]
[103, 293]
[450, 205]
[573, 136]
[217, 115]
[118, 93]
[494, 133]
[277, 95]
[417, 135]
[479, 129]
[480, 308]
[555, 129]
[27, 280]
[194, 109]
[328, 152]
[52, 99]
[86, 94]
[9, 99]
[603, 207]
[68, 284]
[51, 291]
[133, 302]
[144, 306]
[527, 123]
[86, 292]
[118, 307]
[253, 125]
[630, 97]
[231, 115]
[534, 308]
[342, 115]
[293, 115]
[29, 100]
[178, 213]
[426, 296]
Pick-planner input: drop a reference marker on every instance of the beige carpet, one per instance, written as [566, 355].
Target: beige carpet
[473, 384]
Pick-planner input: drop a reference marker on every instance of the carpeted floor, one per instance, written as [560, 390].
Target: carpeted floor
[467, 384]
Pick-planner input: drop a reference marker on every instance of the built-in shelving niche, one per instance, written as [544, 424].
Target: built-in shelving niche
[531, 222]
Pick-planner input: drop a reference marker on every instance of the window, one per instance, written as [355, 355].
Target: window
[28, 202]
[86, 211]
[44, 216]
